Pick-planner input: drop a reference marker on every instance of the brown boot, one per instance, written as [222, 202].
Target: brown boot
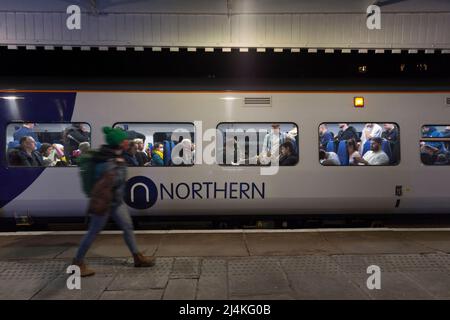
[143, 262]
[84, 270]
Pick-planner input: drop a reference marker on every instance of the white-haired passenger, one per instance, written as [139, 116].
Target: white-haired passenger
[141, 155]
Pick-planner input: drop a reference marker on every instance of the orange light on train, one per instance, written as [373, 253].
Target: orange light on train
[358, 102]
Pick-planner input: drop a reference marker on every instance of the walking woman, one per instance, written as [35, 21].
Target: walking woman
[106, 199]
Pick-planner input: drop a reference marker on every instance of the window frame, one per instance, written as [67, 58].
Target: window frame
[420, 140]
[359, 122]
[161, 122]
[20, 122]
[255, 165]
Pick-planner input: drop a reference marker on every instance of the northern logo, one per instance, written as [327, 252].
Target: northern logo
[140, 193]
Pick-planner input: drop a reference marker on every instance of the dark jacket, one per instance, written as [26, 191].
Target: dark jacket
[347, 134]
[73, 137]
[289, 160]
[130, 159]
[325, 138]
[142, 158]
[391, 136]
[27, 160]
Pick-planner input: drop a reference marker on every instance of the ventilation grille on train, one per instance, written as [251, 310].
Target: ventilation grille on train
[258, 101]
[448, 101]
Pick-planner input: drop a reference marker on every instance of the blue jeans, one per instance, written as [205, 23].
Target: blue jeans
[97, 223]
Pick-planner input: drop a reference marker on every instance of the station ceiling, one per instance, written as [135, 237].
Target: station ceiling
[227, 24]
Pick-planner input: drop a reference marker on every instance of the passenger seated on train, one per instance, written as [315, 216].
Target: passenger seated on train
[353, 152]
[59, 156]
[82, 149]
[28, 155]
[347, 132]
[325, 136]
[45, 151]
[130, 154]
[288, 156]
[375, 156]
[141, 156]
[329, 158]
[371, 130]
[14, 157]
[72, 137]
[158, 155]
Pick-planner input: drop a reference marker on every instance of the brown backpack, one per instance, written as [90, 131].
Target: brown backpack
[102, 194]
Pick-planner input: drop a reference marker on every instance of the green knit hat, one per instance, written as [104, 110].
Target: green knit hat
[114, 136]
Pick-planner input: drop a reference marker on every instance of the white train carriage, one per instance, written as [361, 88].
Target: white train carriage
[407, 185]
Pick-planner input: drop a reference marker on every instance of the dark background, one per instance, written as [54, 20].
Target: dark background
[149, 70]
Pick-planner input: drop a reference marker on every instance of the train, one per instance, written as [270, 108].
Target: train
[408, 185]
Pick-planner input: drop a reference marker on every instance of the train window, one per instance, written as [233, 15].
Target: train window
[435, 145]
[46, 144]
[256, 144]
[159, 144]
[359, 144]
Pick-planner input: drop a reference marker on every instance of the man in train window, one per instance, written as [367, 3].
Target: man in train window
[272, 142]
[347, 132]
[27, 129]
[325, 136]
[375, 156]
[28, 155]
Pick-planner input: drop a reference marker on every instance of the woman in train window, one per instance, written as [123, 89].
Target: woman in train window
[353, 153]
[158, 155]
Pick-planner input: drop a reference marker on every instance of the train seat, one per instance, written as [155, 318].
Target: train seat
[366, 147]
[330, 146]
[343, 153]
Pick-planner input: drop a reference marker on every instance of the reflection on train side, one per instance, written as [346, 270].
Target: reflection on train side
[359, 144]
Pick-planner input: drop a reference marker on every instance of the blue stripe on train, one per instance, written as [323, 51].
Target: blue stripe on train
[32, 107]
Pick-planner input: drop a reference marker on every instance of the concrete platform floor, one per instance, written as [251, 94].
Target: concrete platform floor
[297, 264]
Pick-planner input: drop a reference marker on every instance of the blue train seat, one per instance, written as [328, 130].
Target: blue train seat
[167, 152]
[366, 147]
[330, 146]
[343, 153]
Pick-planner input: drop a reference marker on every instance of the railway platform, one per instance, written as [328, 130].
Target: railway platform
[234, 264]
